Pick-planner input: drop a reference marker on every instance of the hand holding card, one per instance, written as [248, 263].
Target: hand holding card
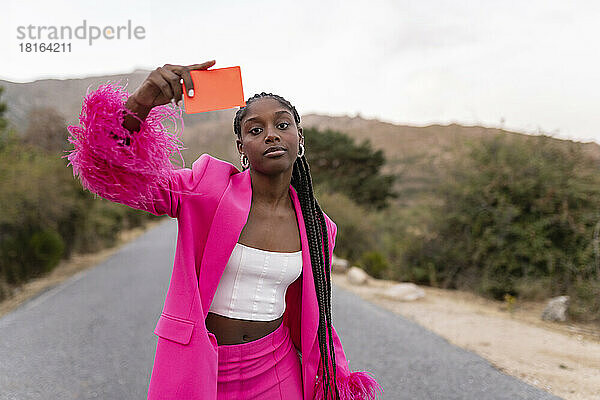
[214, 89]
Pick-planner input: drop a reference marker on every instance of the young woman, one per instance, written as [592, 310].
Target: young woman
[248, 311]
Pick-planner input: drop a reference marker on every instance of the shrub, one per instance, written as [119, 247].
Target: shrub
[356, 230]
[514, 210]
[46, 248]
[374, 263]
[46, 214]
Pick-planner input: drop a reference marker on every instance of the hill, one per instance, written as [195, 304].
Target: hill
[413, 152]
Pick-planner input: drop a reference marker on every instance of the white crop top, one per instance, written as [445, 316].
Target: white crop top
[254, 283]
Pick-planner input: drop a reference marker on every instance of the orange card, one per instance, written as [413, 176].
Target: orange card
[215, 89]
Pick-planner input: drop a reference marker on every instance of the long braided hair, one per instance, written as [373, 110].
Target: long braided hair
[316, 231]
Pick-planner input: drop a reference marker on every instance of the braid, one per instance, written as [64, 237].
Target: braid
[325, 275]
[318, 243]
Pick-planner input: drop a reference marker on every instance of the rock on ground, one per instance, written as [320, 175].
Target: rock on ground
[404, 292]
[556, 309]
[357, 276]
[339, 265]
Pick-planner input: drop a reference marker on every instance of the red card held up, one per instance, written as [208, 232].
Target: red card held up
[214, 89]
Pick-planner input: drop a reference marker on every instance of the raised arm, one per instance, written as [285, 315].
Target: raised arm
[122, 146]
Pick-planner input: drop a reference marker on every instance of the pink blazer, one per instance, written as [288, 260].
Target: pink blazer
[185, 365]
[211, 202]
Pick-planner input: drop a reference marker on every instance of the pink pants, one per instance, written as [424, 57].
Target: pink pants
[267, 368]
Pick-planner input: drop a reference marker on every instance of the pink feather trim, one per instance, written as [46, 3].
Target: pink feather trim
[359, 385]
[114, 163]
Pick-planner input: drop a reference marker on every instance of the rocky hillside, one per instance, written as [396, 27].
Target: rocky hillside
[412, 152]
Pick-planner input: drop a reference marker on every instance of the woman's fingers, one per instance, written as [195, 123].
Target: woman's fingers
[159, 81]
[187, 78]
[204, 65]
[173, 79]
[165, 84]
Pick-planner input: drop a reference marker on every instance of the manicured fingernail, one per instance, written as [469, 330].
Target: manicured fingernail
[181, 81]
[191, 92]
[179, 102]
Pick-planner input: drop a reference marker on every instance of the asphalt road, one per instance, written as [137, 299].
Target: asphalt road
[91, 338]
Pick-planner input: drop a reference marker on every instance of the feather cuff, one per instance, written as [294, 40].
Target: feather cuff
[115, 163]
[359, 385]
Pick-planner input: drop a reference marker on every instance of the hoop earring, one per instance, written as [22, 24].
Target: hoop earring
[301, 150]
[244, 161]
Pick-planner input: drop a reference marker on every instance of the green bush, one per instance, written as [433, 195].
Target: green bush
[46, 249]
[374, 263]
[47, 215]
[514, 210]
[356, 230]
[29, 253]
[354, 169]
[584, 300]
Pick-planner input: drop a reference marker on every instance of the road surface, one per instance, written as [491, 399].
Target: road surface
[91, 338]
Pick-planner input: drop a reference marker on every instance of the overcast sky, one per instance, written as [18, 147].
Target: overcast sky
[533, 64]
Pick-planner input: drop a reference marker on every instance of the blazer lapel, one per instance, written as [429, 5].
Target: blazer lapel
[230, 217]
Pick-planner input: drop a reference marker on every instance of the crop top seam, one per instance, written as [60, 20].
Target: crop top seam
[269, 251]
